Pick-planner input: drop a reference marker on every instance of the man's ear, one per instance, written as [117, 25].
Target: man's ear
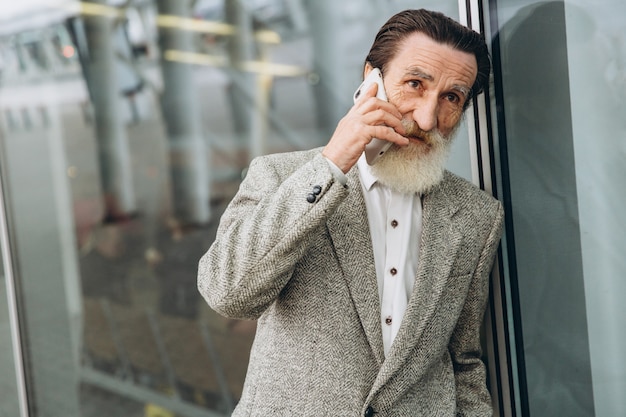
[367, 69]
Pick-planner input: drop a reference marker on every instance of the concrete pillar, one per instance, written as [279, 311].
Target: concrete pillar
[297, 15]
[261, 109]
[333, 91]
[241, 48]
[113, 150]
[189, 154]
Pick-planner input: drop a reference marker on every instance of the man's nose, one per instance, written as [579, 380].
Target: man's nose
[425, 113]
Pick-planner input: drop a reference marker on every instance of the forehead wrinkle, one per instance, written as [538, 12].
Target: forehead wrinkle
[421, 49]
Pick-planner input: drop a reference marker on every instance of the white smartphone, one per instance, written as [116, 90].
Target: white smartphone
[377, 147]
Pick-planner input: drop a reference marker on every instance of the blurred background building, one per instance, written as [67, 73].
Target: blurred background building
[126, 127]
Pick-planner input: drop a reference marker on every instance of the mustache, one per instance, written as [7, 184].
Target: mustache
[414, 131]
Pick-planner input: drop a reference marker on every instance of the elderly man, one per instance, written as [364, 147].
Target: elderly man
[369, 282]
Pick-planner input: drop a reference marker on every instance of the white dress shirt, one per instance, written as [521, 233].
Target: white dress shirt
[395, 222]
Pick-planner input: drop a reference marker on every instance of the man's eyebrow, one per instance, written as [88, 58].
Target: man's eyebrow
[463, 89]
[418, 72]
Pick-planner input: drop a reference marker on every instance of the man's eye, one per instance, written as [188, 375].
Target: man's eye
[414, 83]
[452, 98]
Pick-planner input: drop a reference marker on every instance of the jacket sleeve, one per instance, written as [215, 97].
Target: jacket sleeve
[265, 231]
[473, 399]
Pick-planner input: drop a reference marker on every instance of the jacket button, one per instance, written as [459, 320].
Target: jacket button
[317, 190]
[311, 198]
[369, 412]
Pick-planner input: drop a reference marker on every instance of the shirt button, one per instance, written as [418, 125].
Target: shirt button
[394, 223]
[393, 271]
[388, 321]
[369, 412]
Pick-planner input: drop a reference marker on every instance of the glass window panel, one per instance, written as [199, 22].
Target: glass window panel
[126, 132]
[562, 66]
[597, 77]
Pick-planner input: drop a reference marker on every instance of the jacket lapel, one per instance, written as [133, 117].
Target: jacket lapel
[349, 231]
[440, 241]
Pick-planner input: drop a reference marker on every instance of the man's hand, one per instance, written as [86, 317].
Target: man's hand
[369, 118]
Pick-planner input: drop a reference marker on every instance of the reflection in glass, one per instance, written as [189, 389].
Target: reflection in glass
[564, 138]
[598, 52]
[127, 127]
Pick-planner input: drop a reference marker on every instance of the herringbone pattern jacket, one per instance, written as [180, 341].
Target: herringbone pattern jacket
[304, 269]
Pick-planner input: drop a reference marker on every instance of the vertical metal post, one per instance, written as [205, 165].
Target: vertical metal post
[103, 84]
[189, 155]
[481, 152]
[10, 277]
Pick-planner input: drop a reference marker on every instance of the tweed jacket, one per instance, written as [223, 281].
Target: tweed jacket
[303, 267]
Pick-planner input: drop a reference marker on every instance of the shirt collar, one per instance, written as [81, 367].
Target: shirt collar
[367, 178]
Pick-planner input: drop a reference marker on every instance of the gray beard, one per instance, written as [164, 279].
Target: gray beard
[415, 168]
